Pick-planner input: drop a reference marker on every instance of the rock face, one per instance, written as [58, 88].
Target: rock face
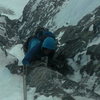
[77, 38]
[78, 46]
[8, 31]
[94, 51]
[48, 82]
[38, 13]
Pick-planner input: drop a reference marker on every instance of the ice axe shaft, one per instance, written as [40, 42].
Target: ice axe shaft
[24, 82]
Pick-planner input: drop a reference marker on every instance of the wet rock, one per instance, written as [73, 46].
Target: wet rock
[94, 51]
[8, 32]
[91, 68]
[48, 82]
[14, 68]
[72, 47]
[43, 78]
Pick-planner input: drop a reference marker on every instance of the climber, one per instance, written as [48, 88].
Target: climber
[42, 44]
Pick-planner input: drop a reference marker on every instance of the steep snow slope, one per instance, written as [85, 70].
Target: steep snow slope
[8, 83]
[70, 13]
[11, 86]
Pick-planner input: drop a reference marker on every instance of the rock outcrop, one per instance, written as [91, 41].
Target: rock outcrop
[78, 45]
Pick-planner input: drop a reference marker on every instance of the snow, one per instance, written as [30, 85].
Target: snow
[91, 28]
[21, 26]
[16, 5]
[73, 64]
[95, 41]
[4, 60]
[60, 35]
[76, 77]
[17, 51]
[92, 18]
[82, 98]
[76, 63]
[9, 82]
[69, 91]
[82, 57]
[12, 85]
[73, 11]
[42, 97]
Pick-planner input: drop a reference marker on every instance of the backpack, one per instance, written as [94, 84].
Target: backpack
[40, 33]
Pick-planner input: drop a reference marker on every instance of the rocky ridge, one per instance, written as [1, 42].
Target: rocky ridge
[78, 44]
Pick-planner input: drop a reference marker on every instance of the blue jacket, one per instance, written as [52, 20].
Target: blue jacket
[34, 49]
